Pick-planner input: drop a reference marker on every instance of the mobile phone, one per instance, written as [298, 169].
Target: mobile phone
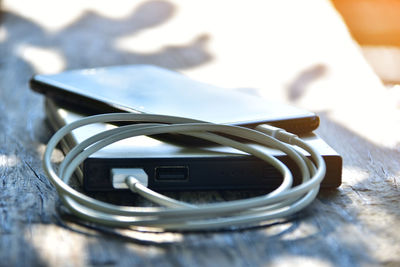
[171, 167]
[151, 89]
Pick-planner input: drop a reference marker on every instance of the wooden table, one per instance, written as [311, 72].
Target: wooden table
[292, 51]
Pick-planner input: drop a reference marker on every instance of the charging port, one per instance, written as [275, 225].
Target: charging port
[172, 173]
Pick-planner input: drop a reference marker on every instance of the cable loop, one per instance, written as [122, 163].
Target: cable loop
[176, 215]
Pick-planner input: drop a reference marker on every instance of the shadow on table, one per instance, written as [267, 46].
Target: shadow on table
[26, 197]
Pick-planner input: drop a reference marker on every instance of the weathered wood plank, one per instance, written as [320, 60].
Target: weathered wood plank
[274, 46]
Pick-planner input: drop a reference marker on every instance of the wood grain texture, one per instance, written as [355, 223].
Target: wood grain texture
[282, 52]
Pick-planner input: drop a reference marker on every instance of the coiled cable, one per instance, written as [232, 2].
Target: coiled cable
[173, 214]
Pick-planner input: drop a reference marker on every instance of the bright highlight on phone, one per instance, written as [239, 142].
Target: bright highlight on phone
[153, 90]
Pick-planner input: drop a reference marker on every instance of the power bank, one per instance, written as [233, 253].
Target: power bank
[171, 167]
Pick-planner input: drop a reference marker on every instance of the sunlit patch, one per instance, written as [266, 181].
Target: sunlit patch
[362, 186]
[301, 231]
[153, 237]
[394, 93]
[9, 161]
[296, 260]
[43, 60]
[57, 157]
[140, 43]
[354, 175]
[384, 60]
[40, 149]
[54, 244]
[396, 181]
[278, 228]
[379, 127]
[3, 34]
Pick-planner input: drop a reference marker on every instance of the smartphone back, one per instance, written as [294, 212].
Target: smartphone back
[150, 89]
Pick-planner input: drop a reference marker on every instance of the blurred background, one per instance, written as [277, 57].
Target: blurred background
[313, 54]
[375, 25]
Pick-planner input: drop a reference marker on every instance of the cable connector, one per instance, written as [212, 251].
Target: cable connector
[277, 133]
[119, 176]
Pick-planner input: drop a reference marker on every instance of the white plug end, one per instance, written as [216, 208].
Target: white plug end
[277, 133]
[119, 175]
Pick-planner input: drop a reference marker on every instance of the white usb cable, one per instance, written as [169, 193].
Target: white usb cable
[173, 214]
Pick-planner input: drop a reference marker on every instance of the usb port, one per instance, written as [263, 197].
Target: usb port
[172, 173]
